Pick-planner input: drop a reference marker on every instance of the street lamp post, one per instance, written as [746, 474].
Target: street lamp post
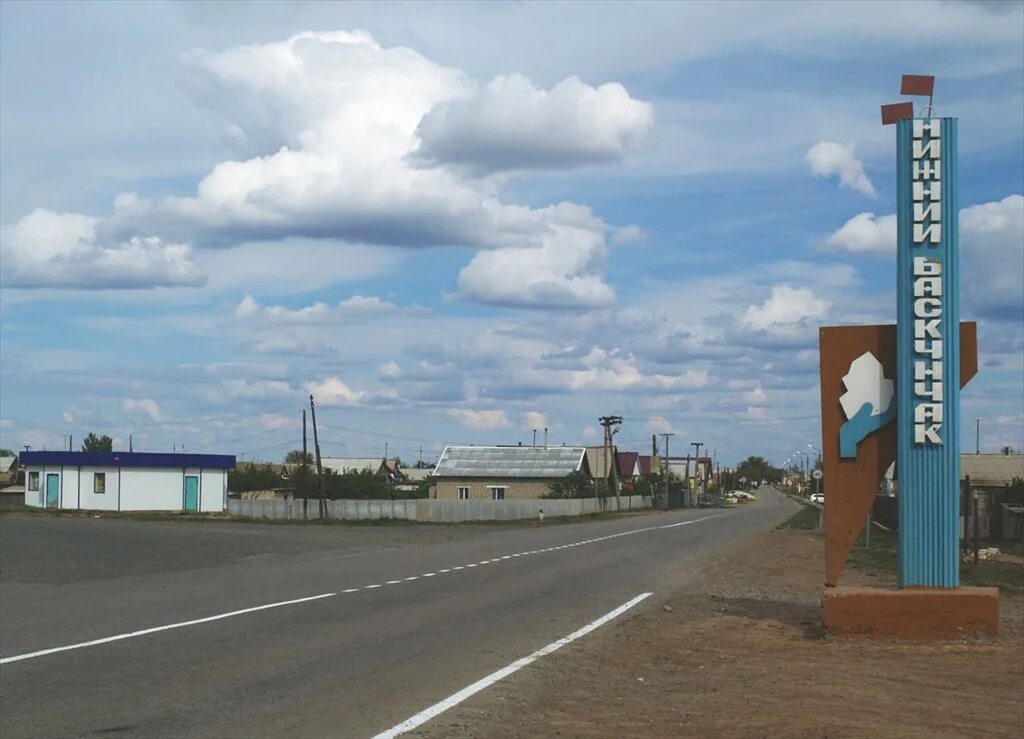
[817, 483]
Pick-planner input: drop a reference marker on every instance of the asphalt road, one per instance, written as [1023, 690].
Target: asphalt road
[347, 665]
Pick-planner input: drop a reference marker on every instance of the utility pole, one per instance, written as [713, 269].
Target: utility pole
[977, 436]
[545, 437]
[534, 438]
[322, 507]
[305, 469]
[696, 471]
[608, 422]
[664, 467]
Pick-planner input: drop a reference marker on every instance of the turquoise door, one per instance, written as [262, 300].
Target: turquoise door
[191, 492]
[52, 490]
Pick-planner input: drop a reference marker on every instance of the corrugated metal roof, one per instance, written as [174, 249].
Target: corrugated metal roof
[342, 465]
[417, 473]
[512, 462]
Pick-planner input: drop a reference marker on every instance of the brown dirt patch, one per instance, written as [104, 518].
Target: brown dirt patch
[742, 654]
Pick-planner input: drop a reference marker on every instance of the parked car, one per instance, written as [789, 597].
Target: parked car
[818, 498]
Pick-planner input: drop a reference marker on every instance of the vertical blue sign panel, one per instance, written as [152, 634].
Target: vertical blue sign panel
[928, 352]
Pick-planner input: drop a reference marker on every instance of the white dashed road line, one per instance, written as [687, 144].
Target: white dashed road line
[155, 629]
[455, 699]
[143, 632]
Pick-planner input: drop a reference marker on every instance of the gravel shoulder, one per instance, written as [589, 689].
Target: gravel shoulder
[741, 653]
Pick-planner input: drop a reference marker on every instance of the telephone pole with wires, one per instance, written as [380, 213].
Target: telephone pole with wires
[608, 422]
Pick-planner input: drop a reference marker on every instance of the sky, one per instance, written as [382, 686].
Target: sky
[461, 222]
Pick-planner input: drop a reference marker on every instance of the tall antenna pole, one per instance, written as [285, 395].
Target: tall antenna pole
[664, 466]
[305, 468]
[696, 470]
[322, 507]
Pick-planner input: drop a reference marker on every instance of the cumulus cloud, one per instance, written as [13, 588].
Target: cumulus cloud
[566, 271]
[865, 233]
[535, 420]
[333, 391]
[785, 308]
[829, 158]
[336, 117]
[354, 308]
[254, 389]
[47, 249]
[141, 407]
[991, 235]
[660, 425]
[511, 124]
[992, 243]
[480, 419]
[618, 370]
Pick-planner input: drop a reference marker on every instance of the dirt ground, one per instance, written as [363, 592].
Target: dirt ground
[743, 655]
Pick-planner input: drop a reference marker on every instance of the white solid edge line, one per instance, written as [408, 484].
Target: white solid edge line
[143, 632]
[456, 698]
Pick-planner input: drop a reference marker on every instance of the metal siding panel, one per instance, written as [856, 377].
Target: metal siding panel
[928, 475]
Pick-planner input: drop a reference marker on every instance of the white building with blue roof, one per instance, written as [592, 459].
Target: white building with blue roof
[126, 481]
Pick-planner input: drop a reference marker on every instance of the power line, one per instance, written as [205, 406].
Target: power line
[376, 433]
[247, 436]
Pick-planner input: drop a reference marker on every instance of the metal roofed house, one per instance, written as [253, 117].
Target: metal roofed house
[126, 481]
[629, 465]
[387, 469]
[498, 473]
[599, 461]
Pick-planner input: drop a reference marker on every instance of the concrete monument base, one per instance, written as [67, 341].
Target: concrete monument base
[910, 613]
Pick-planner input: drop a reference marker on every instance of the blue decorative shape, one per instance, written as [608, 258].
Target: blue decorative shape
[858, 428]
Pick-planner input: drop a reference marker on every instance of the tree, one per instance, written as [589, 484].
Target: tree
[573, 485]
[295, 457]
[7, 453]
[94, 443]
[758, 468]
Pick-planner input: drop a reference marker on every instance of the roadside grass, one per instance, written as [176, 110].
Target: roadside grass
[805, 519]
[882, 558]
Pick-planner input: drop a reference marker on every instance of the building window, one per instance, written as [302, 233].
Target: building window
[99, 482]
[497, 493]
[33, 481]
[463, 493]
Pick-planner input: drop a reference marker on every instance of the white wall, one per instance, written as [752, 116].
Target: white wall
[213, 487]
[145, 489]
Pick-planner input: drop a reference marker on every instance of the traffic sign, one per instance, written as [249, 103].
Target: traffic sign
[817, 474]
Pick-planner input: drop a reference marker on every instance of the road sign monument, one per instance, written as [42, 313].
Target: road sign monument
[892, 393]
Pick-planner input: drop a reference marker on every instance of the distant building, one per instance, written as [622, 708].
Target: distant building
[8, 469]
[500, 473]
[646, 464]
[126, 481]
[341, 465]
[600, 461]
[629, 465]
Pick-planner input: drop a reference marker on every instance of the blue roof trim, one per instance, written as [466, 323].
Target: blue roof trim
[128, 459]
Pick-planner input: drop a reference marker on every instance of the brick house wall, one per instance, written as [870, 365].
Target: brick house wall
[480, 489]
